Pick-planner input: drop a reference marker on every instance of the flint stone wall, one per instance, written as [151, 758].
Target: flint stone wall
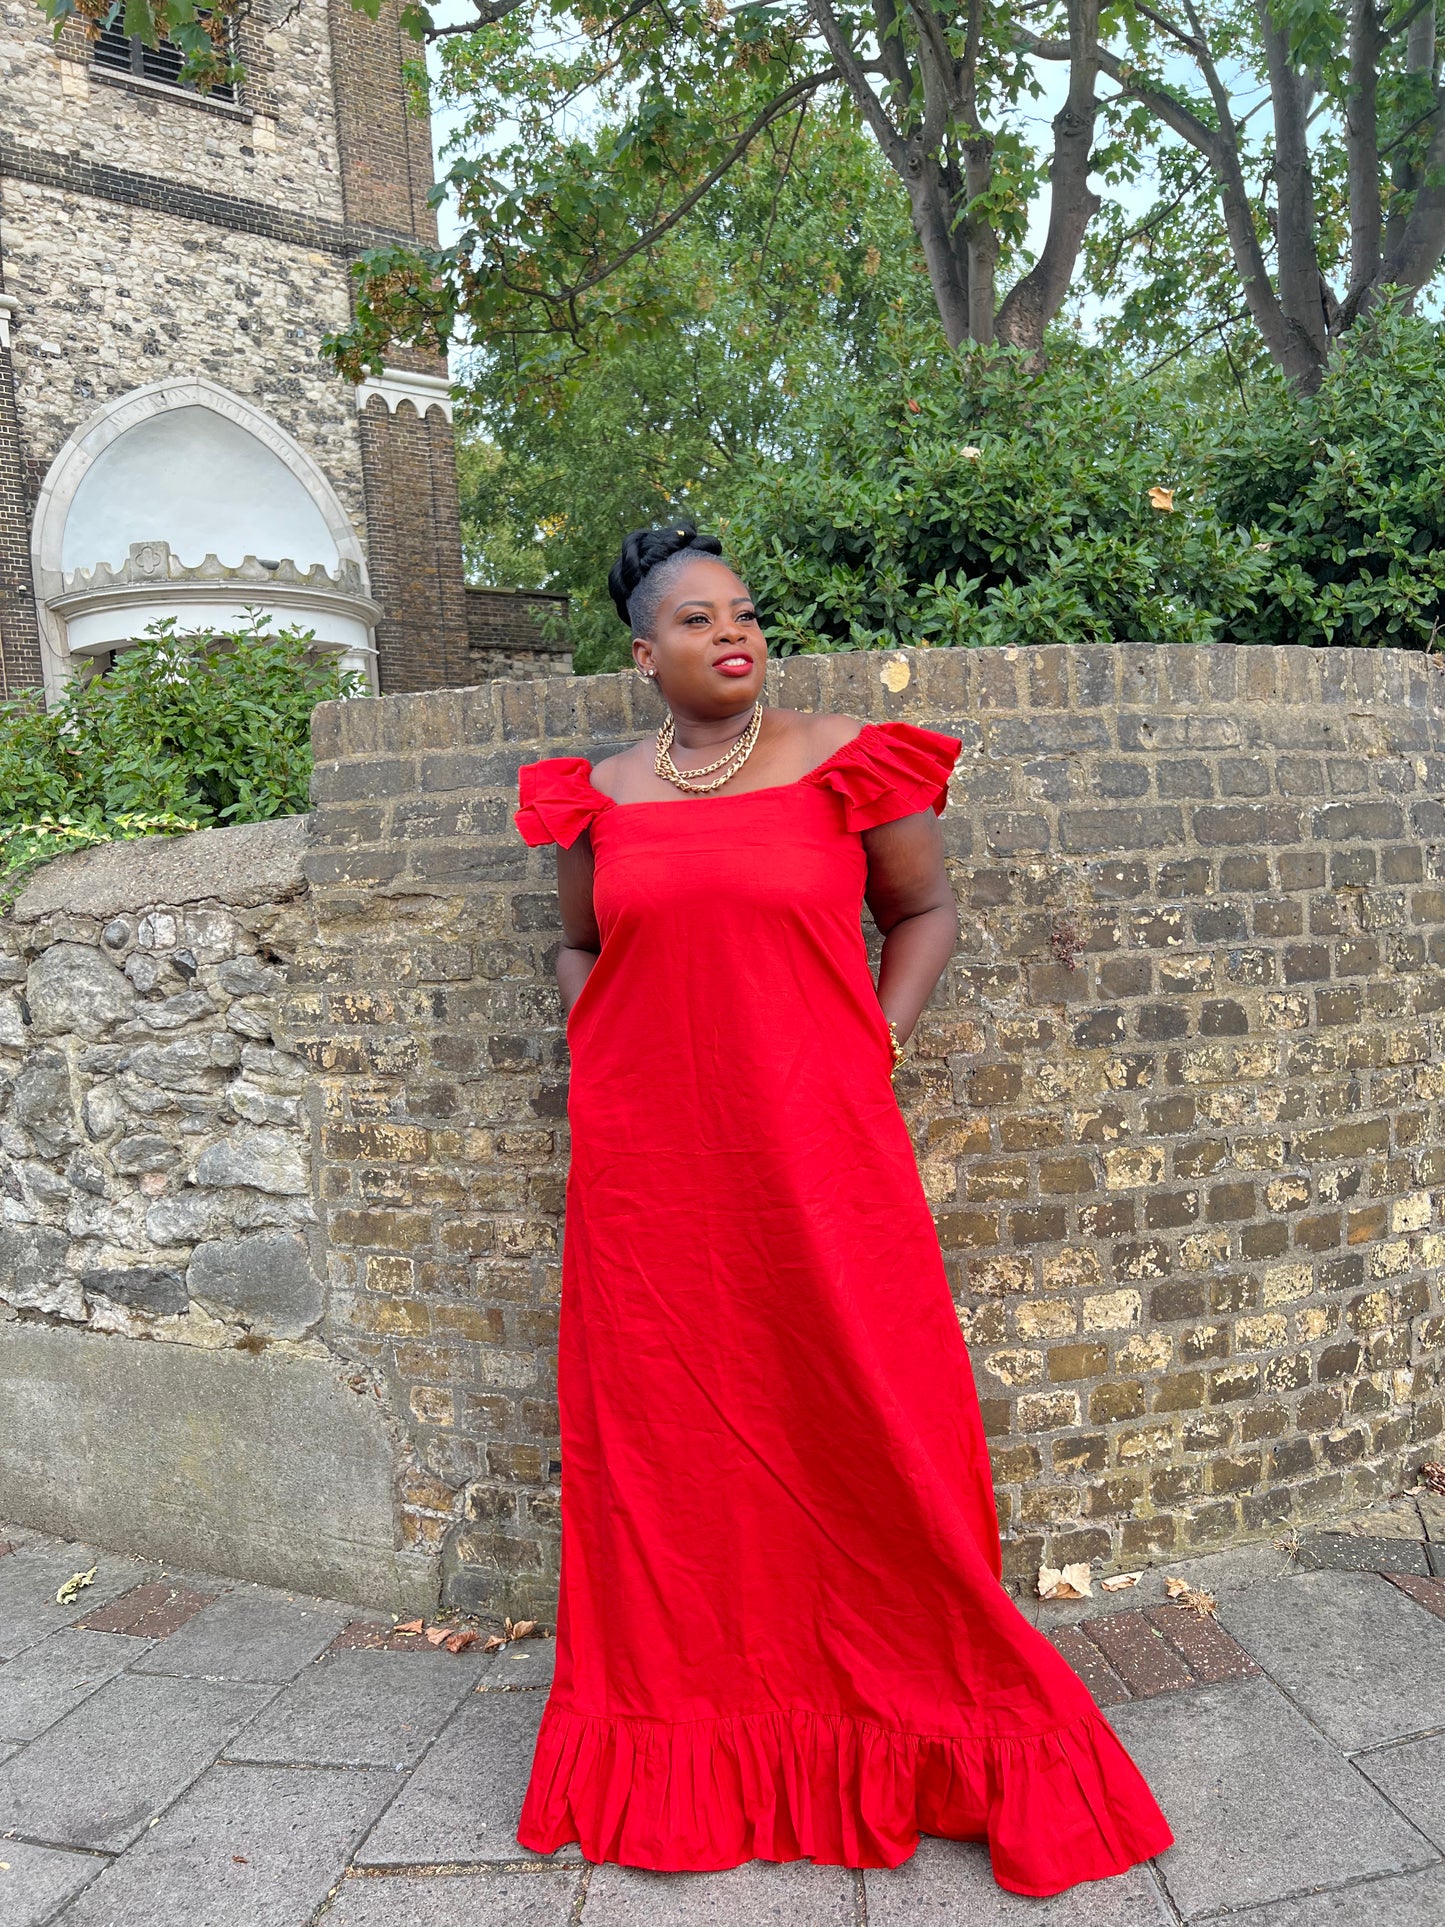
[155, 1156]
[1178, 1103]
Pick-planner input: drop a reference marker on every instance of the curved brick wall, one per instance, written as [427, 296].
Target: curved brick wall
[1178, 1104]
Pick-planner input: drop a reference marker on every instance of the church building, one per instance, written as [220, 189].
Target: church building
[171, 442]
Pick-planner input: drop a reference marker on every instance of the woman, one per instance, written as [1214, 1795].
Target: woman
[781, 1631]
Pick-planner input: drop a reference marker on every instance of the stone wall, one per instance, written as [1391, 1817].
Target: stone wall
[1178, 1104]
[155, 1151]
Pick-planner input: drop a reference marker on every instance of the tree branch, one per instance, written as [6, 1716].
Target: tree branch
[775, 110]
[850, 68]
[1034, 301]
[1362, 144]
[1295, 237]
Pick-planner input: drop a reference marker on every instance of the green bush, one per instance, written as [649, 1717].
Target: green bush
[1346, 491]
[185, 731]
[979, 502]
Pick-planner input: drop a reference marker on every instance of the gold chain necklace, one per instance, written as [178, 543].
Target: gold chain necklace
[730, 762]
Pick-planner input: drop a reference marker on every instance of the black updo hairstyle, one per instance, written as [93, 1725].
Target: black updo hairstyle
[640, 573]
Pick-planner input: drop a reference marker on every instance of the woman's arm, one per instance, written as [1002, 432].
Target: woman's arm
[581, 939]
[912, 903]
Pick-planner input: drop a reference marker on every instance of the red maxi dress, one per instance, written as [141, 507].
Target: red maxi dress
[781, 1631]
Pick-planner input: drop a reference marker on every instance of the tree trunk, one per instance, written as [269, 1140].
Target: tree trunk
[931, 206]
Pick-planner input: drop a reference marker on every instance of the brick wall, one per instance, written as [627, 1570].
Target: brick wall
[1178, 1103]
[413, 519]
[508, 634]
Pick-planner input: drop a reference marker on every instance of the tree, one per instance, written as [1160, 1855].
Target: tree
[1319, 134]
[577, 117]
[779, 295]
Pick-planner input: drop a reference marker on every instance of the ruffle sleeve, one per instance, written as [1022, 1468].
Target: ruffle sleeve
[890, 770]
[558, 801]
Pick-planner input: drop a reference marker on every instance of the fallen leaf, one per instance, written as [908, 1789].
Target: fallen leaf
[1203, 1603]
[4, 1866]
[239, 1860]
[1174, 1585]
[1118, 1581]
[1183, 1594]
[458, 1642]
[1432, 1477]
[1161, 498]
[1072, 1582]
[437, 1635]
[74, 1586]
[494, 1644]
[523, 1627]
[408, 1626]
[507, 1627]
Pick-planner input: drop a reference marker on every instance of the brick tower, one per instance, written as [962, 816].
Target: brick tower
[171, 442]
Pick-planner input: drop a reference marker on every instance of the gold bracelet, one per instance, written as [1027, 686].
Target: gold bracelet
[897, 1047]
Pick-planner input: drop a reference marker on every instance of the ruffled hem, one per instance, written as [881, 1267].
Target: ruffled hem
[558, 801]
[889, 770]
[1056, 1808]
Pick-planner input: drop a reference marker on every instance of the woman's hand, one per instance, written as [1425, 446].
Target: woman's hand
[912, 903]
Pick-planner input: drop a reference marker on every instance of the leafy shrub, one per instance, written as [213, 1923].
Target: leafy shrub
[186, 730]
[1346, 490]
[979, 502]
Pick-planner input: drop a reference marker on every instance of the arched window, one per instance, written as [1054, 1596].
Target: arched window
[182, 499]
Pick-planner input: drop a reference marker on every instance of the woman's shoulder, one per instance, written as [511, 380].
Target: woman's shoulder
[611, 774]
[820, 733]
[886, 770]
[557, 800]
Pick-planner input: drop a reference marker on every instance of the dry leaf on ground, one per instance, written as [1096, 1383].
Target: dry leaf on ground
[408, 1626]
[1183, 1594]
[458, 1642]
[437, 1635]
[73, 1587]
[1432, 1477]
[494, 1644]
[523, 1627]
[1067, 1582]
[1120, 1581]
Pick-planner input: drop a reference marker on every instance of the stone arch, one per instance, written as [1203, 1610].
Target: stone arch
[297, 487]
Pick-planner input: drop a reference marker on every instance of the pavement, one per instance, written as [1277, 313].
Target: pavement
[178, 1750]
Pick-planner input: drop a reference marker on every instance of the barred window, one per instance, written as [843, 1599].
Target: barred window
[127, 53]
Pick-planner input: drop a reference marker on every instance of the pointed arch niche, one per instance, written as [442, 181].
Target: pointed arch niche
[182, 499]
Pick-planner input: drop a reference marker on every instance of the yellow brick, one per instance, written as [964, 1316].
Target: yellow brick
[1072, 1270]
[1112, 1311]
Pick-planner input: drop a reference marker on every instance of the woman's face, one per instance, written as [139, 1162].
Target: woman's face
[707, 647]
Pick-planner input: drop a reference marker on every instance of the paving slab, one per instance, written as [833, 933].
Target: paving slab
[501, 1897]
[1261, 1805]
[247, 1846]
[97, 1777]
[1407, 1900]
[1089, 1663]
[1214, 1572]
[31, 1576]
[462, 1803]
[50, 1679]
[951, 1880]
[1413, 1776]
[250, 1635]
[153, 1611]
[360, 1709]
[759, 1893]
[521, 1662]
[1353, 1552]
[1356, 1653]
[35, 1881]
